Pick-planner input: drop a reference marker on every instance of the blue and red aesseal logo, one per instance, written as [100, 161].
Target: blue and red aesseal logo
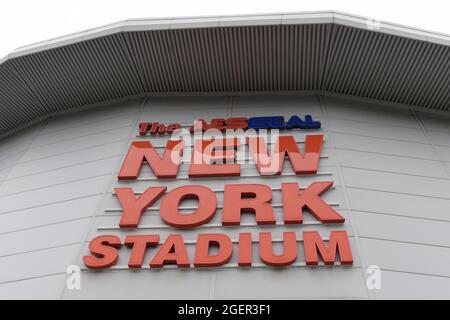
[222, 124]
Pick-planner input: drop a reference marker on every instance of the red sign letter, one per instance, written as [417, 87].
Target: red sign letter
[240, 198]
[302, 164]
[172, 251]
[313, 243]
[134, 207]
[103, 252]
[294, 202]
[139, 243]
[266, 253]
[207, 151]
[223, 255]
[164, 168]
[207, 203]
[245, 249]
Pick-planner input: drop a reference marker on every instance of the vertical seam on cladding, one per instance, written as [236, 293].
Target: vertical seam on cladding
[212, 283]
[25, 150]
[347, 209]
[433, 146]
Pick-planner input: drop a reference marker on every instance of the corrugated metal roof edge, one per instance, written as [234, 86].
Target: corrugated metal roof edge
[313, 17]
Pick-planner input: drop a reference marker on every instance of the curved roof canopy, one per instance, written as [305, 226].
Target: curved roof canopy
[317, 52]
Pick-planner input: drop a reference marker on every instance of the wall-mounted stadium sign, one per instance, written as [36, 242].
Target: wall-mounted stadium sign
[216, 158]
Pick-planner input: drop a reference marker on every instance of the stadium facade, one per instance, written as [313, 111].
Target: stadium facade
[358, 208]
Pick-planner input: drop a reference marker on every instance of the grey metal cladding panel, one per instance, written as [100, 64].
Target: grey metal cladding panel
[8, 162]
[102, 125]
[90, 118]
[406, 257]
[400, 285]
[290, 283]
[398, 204]
[11, 147]
[403, 229]
[51, 214]
[384, 146]
[385, 67]
[435, 123]
[376, 130]
[400, 183]
[439, 138]
[80, 74]
[182, 103]
[4, 173]
[231, 59]
[447, 166]
[46, 287]
[126, 284]
[68, 159]
[444, 153]
[172, 109]
[346, 109]
[388, 163]
[50, 236]
[18, 142]
[15, 96]
[59, 176]
[250, 106]
[37, 263]
[54, 194]
[79, 143]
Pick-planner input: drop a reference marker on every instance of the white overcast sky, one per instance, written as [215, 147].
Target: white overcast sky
[23, 22]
